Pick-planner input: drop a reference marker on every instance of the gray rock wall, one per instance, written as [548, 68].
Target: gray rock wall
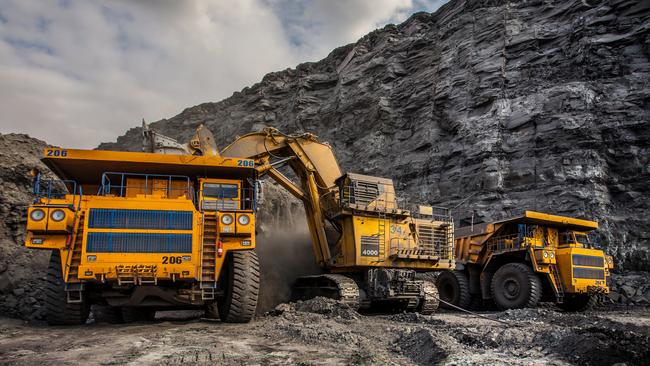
[21, 270]
[517, 105]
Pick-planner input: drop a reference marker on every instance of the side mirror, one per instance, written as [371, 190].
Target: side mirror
[259, 192]
[36, 181]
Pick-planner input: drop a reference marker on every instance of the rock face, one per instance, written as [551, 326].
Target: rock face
[491, 106]
[21, 269]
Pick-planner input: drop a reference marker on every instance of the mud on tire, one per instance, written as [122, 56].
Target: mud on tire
[516, 286]
[453, 287]
[57, 309]
[240, 278]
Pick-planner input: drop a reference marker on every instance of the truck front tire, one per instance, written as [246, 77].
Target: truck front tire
[57, 309]
[516, 286]
[240, 278]
[453, 287]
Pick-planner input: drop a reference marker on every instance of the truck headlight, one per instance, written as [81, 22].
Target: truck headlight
[244, 220]
[552, 254]
[545, 254]
[57, 215]
[226, 219]
[37, 215]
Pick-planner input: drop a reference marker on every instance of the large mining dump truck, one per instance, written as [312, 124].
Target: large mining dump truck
[521, 260]
[134, 232]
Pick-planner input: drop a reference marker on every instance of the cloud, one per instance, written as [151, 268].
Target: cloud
[76, 73]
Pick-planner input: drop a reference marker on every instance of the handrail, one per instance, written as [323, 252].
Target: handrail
[378, 201]
[107, 187]
[50, 193]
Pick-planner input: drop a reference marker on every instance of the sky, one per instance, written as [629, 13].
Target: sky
[77, 73]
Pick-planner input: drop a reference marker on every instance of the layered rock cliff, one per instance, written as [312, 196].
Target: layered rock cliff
[21, 269]
[491, 106]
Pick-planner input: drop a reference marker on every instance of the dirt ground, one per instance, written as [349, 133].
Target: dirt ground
[324, 332]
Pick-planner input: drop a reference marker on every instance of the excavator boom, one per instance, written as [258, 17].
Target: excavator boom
[311, 160]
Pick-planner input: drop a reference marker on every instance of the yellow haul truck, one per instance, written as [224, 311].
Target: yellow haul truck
[521, 260]
[134, 232]
[369, 246]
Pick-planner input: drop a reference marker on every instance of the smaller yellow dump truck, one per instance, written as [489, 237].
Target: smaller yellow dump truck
[522, 260]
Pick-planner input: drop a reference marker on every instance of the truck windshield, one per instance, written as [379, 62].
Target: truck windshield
[582, 239]
[220, 190]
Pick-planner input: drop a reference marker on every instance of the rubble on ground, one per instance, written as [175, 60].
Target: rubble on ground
[330, 308]
[630, 288]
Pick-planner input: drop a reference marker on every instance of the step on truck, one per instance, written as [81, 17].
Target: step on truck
[522, 260]
[132, 233]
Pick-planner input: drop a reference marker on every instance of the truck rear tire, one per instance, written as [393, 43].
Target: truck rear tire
[107, 314]
[240, 278]
[516, 286]
[453, 287]
[57, 309]
[578, 302]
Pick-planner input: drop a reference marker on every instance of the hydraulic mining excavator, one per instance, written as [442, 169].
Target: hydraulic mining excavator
[524, 259]
[368, 244]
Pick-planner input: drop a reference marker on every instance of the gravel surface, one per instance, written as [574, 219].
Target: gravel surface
[325, 332]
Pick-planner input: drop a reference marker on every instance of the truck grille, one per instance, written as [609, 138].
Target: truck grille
[589, 273]
[138, 243]
[139, 219]
[588, 260]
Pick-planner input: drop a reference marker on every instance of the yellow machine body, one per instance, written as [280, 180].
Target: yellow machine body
[371, 228]
[143, 218]
[556, 247]
[369, 245]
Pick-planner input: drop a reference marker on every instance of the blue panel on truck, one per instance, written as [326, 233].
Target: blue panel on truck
[138, 243]
[101, 218]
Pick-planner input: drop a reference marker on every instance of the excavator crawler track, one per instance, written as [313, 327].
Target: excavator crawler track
[430, 302]
[336, 286]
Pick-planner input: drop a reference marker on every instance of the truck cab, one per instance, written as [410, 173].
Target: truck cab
[140, 232]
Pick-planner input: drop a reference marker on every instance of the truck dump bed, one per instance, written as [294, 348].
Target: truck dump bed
[529, 218]
[87, 166]
[470, 239]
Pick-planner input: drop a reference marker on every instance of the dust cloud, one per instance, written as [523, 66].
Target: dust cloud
[284, 256]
